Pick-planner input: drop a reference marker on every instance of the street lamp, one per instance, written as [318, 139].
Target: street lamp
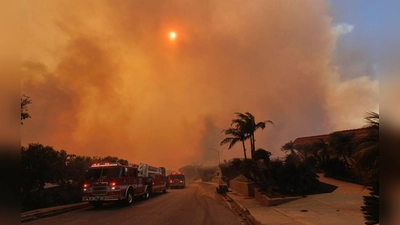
[222, 187]
[219, 162]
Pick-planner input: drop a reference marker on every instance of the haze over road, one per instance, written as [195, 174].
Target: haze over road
[198, 203]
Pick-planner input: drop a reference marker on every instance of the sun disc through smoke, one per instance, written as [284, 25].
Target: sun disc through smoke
[172, 35]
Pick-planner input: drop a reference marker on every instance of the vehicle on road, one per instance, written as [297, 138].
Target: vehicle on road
[107, 182]
[177, 180]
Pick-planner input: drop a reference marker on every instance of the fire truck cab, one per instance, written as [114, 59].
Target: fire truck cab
[177, 180]
[106, 182]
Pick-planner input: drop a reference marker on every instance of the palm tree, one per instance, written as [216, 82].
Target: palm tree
[341, 146]
[367, 165]
[288, 147]
[235, 136]
[321, 150]
[367, 155]
[246, 123]
[244, 167]
[305, 150]
[293, 156]
[263, 156]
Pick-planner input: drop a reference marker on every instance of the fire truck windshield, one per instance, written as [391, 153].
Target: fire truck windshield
[102, 173]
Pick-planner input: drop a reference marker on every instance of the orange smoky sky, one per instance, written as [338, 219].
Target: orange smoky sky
[106, 79]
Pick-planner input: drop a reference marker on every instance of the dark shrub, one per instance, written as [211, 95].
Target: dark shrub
[311, 161]
[297, 180]
[370, 208]
[292, 158]
[276, 166]
[228, 173]
[335, 168]
[207, 173]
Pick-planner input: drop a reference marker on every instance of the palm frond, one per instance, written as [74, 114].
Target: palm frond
[228, 140]
[372, 119]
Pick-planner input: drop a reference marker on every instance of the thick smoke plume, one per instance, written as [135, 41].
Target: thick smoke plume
[105, 79]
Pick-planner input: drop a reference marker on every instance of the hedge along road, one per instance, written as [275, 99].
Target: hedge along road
[198, 203]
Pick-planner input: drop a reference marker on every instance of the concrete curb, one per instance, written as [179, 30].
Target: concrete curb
[244, 211]
[241, 209]
[41, 213]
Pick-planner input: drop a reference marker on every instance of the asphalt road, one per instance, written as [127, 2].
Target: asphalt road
[198, 204]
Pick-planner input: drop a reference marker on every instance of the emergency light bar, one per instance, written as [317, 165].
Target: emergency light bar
[176, 173]
[105, 164]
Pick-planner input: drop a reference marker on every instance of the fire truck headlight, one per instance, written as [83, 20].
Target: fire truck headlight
[114, 188]
[86, 187]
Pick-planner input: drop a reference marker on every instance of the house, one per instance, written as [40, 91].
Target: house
[360, 132]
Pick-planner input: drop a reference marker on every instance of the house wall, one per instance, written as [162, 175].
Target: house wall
[264, 200]
[244, 188]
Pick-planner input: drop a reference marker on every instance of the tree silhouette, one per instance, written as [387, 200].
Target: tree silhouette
[367, 165]
[37, 167]
[341, 145]
[235, 136]
[293, 155]
[264, 171]
[367, 155]
[320, 150]
[289, 147]
[245, 123]
[25, 101]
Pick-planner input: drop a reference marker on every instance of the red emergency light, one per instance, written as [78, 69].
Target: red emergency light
[104, 164]
[176, 173]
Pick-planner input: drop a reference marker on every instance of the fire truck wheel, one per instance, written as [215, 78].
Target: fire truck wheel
[129, 198]
[97, 205]
[165, 189]
[146, 195]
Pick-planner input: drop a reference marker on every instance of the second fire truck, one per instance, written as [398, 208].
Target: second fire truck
[106, 182]
[177, 180]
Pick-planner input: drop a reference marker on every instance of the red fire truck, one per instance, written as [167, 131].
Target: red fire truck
[105, 182]
[177, 180]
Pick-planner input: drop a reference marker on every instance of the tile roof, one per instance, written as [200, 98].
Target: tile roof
[304, 140]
